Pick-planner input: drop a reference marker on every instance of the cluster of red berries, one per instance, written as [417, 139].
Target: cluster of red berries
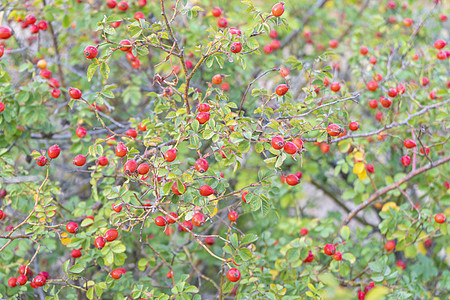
[30, 21]
[27, 274]
[362, 294]
[330, 250]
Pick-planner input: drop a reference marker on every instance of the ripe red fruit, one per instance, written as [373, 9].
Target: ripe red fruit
[406, 160]
[389, 246]
[401, 89]
[30, 19]
[235, 31]
[43, 25]
[90, 52]
[5, 33]
[363, 50]
[217, 79]
[309, 258]
[81, 132]
[409, 143]
[209, 240]
[203, 117]
[56, 93]
[122, 6]
[175, 189]
[443, 18]
[373, 103]
[372, 85]
[441, 55]
[53, 82]
[125, 43]
[169, 274]
[141, 125]
[111, 235]
[427, 150]
[275, 44]
[385, 102]
[132, 133]
[273, 34]
[392, 92]
[277, 142]
[2, 215]
[216, 12]
[111, 3]
[284, 72]
[12, 282]
[75, 253]
[201, 165]
[337, 256]
[22, 279]
[25, 270]
[392, 4]
[333, 130]
[117, 273]
[34, 29]
[324, 147]
[100, 242]
[130, 166]
[233, 216]
[236, 47]
[160, 221]
[233, 275]
[407, 22]
[204, 107]
[282, 89]
[72, 227]
[353, 126]
[361, 295]
[206, 190]
[290, 148]
[303, 231]
[198, 219]
[370, 168]
[170, 155]
[333, 43]
[425, 81]
[244, 196]
[75, 93]
[373, 60]
[292, 179]
[439, 218]
[117, 208]
[79, 160]
[298, 142]
[103, 161]
[329, 249]
[278, 9]
[172, 217]
[222, 22]
[45, 74]
[139, 15]
[439, 44]
[41, 161]
[335, 87]
[121, 150]
[186, 224]
[143, 168]
[267, 49]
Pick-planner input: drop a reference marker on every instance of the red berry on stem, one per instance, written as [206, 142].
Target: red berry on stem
[103, 161]
[79, 160]
[335, 87]
[170, 155]
[201, 165]
[282, 89]
[233, 275]
[121, 150]
[130, 166]
[236, 47]
[329, 249]
[90, 52]
[111, 235]
[406, 160]
[72, 227]
[353, 126]
[100, 242]
[81, 132]
[75, 93]
[198, 219]
[172, 217]
[278, 9]
[160, 221]
[203, 117]
[277, 142]
[439, 218]
[408, 143]
[292, 179]
[233, 216]
[334, 130]
[216, 12]
[389, 246]
[206, 190]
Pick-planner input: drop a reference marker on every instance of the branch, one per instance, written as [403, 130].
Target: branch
[395, 185]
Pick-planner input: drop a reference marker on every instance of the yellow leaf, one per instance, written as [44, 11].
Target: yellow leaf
[274, 274]
[362, 175]
[388, 205]
[358, 168]
[65, 241]
[64, 234]
[359, 156]
[422, 249]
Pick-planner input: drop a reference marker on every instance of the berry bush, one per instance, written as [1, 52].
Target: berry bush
[192, 149]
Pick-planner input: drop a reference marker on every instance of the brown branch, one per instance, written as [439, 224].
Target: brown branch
[395, 185]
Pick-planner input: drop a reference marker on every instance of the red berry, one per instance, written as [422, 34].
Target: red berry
[81, 132]
[203, 117]
[334, 130]
[103, 161]
[233, 275]
[75, 93]
[139, 15]
[169, 274]
[172, 217]
[309, 258]
[244, 196]
[79, 160]
[5, 33]
[385, 102]
[363, 50]
[273, 34]
[236, 47]
[439, 218]
[298, 143]
[100, 242]
[117, 208]
[277, 142]
[292, 180]
[141, 125]
[117, 273]
[370, 168]
[439, 44]
[111, 235]
[12, 282]
[392, 92]
[427, 150]
[90, 52]
[160, 221]
[303, 231]
[337, 256]
[125, 43]
[22, 279]
[187, 225]
[34, 29]
[209, 240]
[441, 55]
[408, 143]
[75, 253]
[170, 155]
[206, 190]
[425, 81]
[373, 60]
[25, 270]
[329, 249]
[30, 19]
[130, 166]
[233, 216]
[143, 169]
[389, 246]
[217, 79]
[406, 160]
[201, 165]
[56, 93]
[372, 85]
[401, 89]
[222, 22]
[407, 22]
[204, 107]
[353, 126]
[373, 103]
[72, 227]
[121, 150]
[45, 73]
[335, 87]
[278, 9]
[175, 189]
[282, 89]
[41, 161]
[361, 295]
[333, 43]
[216, 12]
[111, 3]
[284, 72]
[290, 148]
[275, 44]
[198, 219]
[122, 6]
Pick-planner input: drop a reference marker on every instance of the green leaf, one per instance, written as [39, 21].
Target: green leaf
[104, 70]
[91, 71]
[345, 232]
[349, 257]
[244, 146]
[119, 248]
[76, 269]
[377, 293]
[249, 238]
[234, 240]
[245, 254]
